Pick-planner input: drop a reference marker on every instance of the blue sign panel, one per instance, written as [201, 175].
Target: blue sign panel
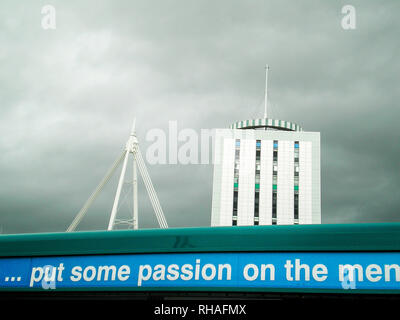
[303, 270]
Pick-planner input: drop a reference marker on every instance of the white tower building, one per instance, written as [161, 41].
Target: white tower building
[266, 172]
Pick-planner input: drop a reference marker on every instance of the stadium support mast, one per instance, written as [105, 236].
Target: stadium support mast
[266, 91]
[131, 147]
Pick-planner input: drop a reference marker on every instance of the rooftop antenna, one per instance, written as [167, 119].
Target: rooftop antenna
[131, 147]
[266, 91]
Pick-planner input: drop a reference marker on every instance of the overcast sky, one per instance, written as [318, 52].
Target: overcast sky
[68, 96]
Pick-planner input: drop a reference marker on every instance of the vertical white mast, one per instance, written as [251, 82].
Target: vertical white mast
[132, 146]
[266, 91]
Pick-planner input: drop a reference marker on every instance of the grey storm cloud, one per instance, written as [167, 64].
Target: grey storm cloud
[68, 96]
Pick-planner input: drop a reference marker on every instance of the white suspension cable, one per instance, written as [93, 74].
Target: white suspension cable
[95, 193]
[150, 190]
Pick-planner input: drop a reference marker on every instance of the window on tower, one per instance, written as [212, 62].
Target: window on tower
[274, 204]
